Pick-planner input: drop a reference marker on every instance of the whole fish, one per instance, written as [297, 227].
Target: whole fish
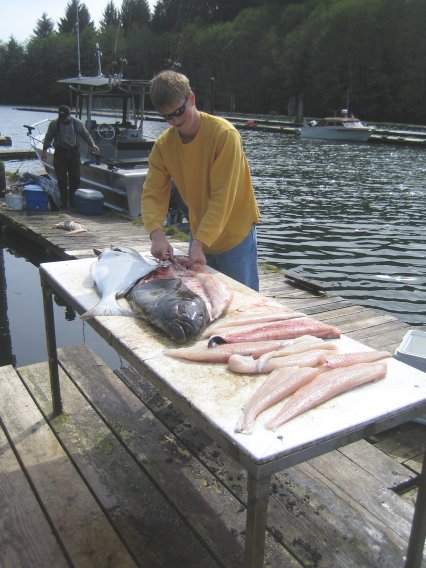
[180, 302]
[221, 353]
[326, 386]
[279, 384]
[287, 329]
[74, 227]
[114, 272]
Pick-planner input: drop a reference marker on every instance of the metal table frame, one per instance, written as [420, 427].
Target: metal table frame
[259, 475]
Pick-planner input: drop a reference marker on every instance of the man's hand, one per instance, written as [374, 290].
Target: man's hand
[95, 149]
[160, 247]
[44, 156]
[196, 260]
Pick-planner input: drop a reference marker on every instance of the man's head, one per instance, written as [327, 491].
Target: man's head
[169, 89]
[64, 113]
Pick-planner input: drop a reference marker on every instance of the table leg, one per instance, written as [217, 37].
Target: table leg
[257, 506]
[49, 322]
[418, 528]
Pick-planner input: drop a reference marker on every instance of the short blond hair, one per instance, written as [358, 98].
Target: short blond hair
[168, 86]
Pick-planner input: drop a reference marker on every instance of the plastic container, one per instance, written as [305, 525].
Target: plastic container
[14, 201]
[35, 198]
[412, 351]
[89, 201]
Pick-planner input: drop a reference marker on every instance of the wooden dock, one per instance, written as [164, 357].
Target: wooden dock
[123, 479]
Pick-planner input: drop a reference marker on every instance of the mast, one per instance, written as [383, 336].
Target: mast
[77, 29]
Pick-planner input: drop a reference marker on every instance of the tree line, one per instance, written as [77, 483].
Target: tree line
[251, 56]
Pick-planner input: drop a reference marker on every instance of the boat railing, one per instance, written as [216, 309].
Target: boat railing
[37, 131]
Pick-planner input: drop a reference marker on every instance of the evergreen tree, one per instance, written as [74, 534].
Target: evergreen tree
[134, 13]
[67, 24]
[110, 17]
[44, 27]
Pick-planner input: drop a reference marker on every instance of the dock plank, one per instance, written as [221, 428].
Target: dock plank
[80, 525]
[138, 511]
[26, 538]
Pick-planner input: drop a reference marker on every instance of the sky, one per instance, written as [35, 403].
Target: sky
[19, 17]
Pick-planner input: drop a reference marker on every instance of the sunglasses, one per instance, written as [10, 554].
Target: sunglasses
[178, 112]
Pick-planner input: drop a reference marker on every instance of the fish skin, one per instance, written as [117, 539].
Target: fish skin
[171, 306]
[74, 227]
[221, 353]
[325, 386]
[347, 359]
[288, 329]
[252, 318]
[309, 358]
[114, 272]
[278, 385]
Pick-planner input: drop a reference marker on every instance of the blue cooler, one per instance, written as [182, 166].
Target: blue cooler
[35, 198]
[89, 201]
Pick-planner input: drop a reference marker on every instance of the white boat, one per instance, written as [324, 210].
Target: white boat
[337, 128]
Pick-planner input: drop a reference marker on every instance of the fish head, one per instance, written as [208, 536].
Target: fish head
[170, 306]
[184, 317]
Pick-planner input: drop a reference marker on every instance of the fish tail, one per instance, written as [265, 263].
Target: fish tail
[244, 426]
[106, 309]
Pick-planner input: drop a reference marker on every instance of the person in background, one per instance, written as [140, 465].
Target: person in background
[64, 132]
[203, 155]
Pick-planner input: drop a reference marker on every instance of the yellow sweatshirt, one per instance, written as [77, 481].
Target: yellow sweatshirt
[213, 178]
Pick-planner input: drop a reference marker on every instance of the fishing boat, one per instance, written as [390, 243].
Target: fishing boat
[345, 128]
[112, 110]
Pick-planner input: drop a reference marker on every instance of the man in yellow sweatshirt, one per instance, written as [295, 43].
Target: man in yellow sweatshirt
[203, 155]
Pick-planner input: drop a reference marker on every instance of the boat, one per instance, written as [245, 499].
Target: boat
[112, 109]
[345, 128]
[5, 140]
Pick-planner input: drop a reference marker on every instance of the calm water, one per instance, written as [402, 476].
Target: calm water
[349, 215]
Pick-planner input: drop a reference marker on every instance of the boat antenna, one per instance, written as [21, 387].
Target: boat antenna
[77, 30]
[98, 61]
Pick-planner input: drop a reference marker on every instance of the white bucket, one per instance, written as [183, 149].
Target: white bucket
[14, 201]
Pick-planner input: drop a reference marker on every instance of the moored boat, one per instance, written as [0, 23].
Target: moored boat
[345, 128]
[112, 111]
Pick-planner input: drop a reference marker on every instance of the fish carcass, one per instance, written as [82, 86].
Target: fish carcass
[326, 386]
[179, 301]
[114, 272]
[287, 329]
[74, 227]
[279, 384]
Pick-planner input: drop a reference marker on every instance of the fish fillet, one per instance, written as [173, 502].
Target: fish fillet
[252, 318]
[288, 329]
[221, 353]
[279, 384]
[346, 359]
[326, 386]
[311, 357]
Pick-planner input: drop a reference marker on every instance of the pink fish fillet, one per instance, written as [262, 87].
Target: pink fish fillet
[254, 318]
[326, 386]
[310, 357]
[221, 353]
[280, 383]
[288, 329]
[346, 359]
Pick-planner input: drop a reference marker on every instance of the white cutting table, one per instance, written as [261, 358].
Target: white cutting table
[213, 397]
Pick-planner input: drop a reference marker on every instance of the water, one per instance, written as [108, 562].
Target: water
[349, 215]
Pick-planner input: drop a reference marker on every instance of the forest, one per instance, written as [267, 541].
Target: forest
[249, 56]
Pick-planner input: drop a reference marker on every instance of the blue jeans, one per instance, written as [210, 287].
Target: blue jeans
[239, 263]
